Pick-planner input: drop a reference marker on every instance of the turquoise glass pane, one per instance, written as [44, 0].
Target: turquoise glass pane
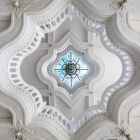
[70, 69]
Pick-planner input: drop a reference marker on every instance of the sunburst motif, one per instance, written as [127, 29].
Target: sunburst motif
[71, 69]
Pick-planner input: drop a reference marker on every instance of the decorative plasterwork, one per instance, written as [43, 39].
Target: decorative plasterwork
[99, 28]
[71, 69]
[119, 6]
[54, 17]
[47, 78]
[14, 67]
[130, 43]
[127, 67]
[18, 6]
[12, 31]
[27, 42]
[14, 107]
[41, 134]
[126, 60]
[122, 131]
[97, 10]
[53, 122]
[20, 132]
[101, 126]
[16, 91]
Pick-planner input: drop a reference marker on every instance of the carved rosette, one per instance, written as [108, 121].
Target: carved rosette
[18, 7]
[21, 132]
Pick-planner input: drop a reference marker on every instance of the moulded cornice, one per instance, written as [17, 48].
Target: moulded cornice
[12, 19]
[11, 32]
[122, 37]
[96, 126]
[124, 56]
[14, 107]
[120, 27]
[47, 131]
[97, 10]
[121, 103]
[6, 56]
[44, 76]
[129, 35]
[41, 133]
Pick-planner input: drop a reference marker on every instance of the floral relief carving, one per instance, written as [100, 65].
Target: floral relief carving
[18, 7]
[21, 132]
[120, 6]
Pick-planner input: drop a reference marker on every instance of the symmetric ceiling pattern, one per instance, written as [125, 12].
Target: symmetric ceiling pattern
[32, 118]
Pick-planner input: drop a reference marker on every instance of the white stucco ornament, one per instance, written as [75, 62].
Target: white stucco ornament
[17, 4]
[123, 131]
[67, 69]
[21, 132]
[120, 6]
[48, 120]
[18, 7]
[71, 69]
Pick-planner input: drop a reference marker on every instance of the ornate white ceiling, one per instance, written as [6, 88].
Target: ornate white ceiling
[42, 106]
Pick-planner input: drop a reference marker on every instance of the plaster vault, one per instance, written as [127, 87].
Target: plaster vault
[102, 42]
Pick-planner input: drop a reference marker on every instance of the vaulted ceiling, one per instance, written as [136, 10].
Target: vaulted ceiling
[69, 69]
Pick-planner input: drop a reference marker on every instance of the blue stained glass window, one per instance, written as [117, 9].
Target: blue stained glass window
[70, 69]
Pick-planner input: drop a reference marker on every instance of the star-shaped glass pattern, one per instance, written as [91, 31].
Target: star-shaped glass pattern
[70, 69]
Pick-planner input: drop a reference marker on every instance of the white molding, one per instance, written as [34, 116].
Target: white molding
[50, 57]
